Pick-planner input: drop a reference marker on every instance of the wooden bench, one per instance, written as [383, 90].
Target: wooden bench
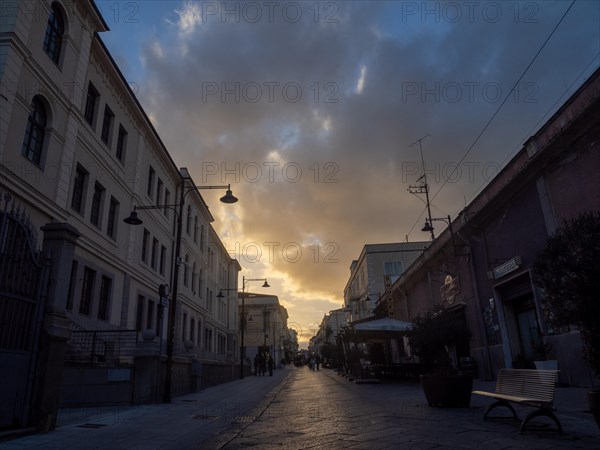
[526, 387]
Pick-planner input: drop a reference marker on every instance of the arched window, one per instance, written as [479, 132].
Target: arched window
[33, 143]
[54, 34]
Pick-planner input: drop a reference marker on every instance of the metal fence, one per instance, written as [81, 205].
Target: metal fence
[108, 348]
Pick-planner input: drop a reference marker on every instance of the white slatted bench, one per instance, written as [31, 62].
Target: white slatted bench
[526, 387]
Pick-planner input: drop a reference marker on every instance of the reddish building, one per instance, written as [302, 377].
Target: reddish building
[487, 259]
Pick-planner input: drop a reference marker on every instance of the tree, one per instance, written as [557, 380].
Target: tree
[568, 271]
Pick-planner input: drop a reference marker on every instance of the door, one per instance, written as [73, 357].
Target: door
[527, 329]
[20, 288]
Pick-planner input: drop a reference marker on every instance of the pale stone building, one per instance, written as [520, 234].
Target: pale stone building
[77, 148]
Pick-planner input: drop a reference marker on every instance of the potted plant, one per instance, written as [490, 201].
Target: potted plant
[567, 269]
[432, 338]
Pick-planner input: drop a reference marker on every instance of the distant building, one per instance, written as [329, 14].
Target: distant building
[266, 329]
[366, 283]
[331, 325]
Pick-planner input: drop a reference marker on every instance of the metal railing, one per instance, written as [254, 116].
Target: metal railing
[108, 348]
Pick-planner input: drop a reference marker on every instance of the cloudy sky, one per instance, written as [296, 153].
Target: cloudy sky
[309, 110]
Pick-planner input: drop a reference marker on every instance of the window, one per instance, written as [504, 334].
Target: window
[159, 188]
[33, 142]
[209, 304]
[167, 200]
[194, 277]
[163, 257]
[107, 122]
[121, 143]
[150, 315]
[97, 204]
[87, 290]
[113, 213]
[186, 270]
[199, 334]
[140, 313]
[72, 282]
[159, 315]
[392, 268]
[221, 310]
[79, 189]
[202, 238]
[196, 229]
[105, 290]
[184, 328]
[154, 253]
[90, 104]
[208, 334]
[145, 239]
[151, 174]
[220, 344]
[188, 222]
[54, 34]
[211, 259]
[192, 330]
[200, 283]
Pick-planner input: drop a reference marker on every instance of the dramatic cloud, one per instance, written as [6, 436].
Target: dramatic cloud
[309, 110]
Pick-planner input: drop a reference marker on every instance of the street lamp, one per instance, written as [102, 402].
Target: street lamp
[428, 227]
[243, 320]
[133, 219]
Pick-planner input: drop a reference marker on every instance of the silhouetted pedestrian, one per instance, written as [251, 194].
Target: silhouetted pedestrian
[256, 364]
[263, 364]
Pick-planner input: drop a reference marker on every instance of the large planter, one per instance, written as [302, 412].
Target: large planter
[447, 390]
[593, 396]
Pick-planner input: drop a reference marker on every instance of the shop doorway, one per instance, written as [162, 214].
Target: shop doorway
[525, 331]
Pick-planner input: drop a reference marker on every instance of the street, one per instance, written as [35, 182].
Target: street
[300, 409]
[322, 410]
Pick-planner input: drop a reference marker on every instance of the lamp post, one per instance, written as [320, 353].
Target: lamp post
[133, 219]
[428, 227]
[243, 320]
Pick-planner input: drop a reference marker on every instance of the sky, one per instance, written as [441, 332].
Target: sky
[311, 111]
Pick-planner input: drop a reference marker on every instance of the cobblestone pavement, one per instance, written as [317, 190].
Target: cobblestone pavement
[301, 409]
[322, 410]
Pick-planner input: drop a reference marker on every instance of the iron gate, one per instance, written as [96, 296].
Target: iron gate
[21, 281]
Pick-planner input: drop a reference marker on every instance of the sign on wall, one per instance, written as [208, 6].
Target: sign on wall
[450, 289]
[387, 280]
